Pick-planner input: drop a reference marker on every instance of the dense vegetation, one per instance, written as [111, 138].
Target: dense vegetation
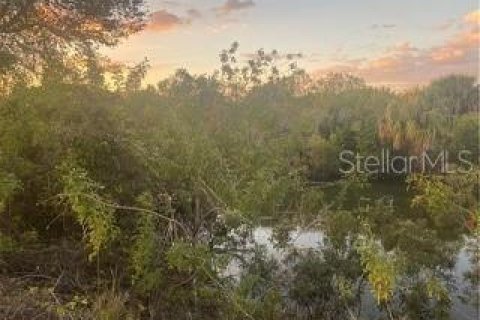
[119, 201]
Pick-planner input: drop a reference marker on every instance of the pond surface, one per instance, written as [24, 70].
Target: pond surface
[314, 240]
[429, 250]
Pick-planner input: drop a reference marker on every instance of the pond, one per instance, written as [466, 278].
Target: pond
[458, 283]
[432, 255]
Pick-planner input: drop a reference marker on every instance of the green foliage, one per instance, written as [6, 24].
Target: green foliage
[186, 257]
[8, 185]
[451, 200]
[428, 297]
[111, 305]
[145, 251]
[323, 282]
[7, 244]
[323, 157]
[466, 136]
[380, 267]
[452, 95]
[144, 255]
[258, 292]
[436, 290]
[92, 211]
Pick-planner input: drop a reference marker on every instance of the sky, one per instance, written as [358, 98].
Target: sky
[397, 43]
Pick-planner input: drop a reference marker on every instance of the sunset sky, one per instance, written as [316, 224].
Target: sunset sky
[388, 42]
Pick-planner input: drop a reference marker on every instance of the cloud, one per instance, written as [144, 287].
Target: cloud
[404, 65]
[194, 13]
[472, 18]
[234, 5]
[463, 44]
[383, 26]
[162, 21]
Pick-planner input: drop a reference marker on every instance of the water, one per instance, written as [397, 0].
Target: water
[434, 247]
[314, 240]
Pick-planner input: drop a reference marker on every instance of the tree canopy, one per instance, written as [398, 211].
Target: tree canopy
[35, 33]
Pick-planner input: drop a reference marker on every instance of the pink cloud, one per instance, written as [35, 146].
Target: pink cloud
[162, 21]
[405, 65]
[234, 5]
[472, 18]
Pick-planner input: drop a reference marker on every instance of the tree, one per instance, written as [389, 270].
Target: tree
[452, 95]
[34, 32]
[261, 69]
[466, 135]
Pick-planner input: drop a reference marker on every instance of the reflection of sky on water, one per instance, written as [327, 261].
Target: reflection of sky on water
[463, 264]
[299, 239]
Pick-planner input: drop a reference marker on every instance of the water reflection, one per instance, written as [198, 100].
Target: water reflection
[309, 246]
[321, 275]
